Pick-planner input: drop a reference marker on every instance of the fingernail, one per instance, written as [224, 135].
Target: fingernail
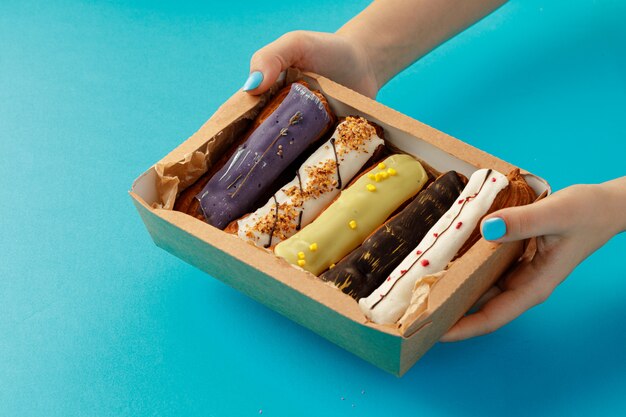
[253, 81]
[494, 228]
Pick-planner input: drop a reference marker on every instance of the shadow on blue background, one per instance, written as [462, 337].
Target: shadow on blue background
[95, 320]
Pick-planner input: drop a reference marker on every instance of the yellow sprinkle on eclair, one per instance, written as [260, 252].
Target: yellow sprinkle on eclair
[301, 262]
[378, 177]
[352, 224]
[382, 166]
[371, 176]
[384, 175]
[370, 187]
[313, 247]
[392, 171]
[301, 255]
[331, 266]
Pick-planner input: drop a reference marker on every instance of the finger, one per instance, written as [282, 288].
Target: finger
[526, 287]
[545, 217]
[496, 313]
[487, 296]
[287, 51]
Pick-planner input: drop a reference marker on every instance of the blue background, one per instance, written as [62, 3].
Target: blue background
[96, 320]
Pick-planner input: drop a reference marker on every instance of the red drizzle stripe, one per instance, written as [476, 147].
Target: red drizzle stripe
[403, 272]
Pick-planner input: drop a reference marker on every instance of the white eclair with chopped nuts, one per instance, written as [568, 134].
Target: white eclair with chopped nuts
[318, 181]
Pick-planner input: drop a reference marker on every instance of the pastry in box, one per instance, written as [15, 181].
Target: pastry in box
[360, 220]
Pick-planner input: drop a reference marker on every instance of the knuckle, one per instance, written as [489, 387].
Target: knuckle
[519, 223]
[489, 324]
[542, 294]
[541, 297]
[297, 39]
[295, 35]
[257, 56]
[490, 327]
[523, 224]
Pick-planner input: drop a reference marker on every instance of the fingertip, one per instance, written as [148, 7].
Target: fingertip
[493, 228]
[254, 80]
[456, 333]
[449, 336]
[542, 218]
[265, 68]
[260, 80]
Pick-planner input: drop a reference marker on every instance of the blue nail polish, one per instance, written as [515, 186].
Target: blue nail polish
[494, 228]
[253, 81]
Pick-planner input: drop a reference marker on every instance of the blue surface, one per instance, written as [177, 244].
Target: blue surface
[95, 320]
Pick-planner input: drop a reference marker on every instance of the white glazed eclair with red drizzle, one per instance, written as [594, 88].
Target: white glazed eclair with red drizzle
[318, 181]
[389, 301]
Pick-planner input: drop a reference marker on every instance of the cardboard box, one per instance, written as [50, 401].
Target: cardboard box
[298, 294]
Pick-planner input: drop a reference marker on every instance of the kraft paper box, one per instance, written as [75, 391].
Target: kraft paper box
[298, 294]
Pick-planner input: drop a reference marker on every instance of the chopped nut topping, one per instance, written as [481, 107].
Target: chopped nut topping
[322, 178]
[352, 133]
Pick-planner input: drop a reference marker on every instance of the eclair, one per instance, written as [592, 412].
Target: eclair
[299, 120]
[366, 267]
[355, 214]
[486, 191]
[317, 182]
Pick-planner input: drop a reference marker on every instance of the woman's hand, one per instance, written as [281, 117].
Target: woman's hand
[569, 226]
[334, 56]
[372, 47]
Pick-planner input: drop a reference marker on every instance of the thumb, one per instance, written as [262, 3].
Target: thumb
[523, 222]
[268, 62]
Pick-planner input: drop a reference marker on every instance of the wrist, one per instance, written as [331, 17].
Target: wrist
[616, 203]
[367, 50]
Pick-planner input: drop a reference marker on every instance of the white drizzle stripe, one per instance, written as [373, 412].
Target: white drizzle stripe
[307, 94]
[352, 160]
[389, 301]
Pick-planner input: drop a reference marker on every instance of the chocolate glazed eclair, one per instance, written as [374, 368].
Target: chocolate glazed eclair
[365, 268]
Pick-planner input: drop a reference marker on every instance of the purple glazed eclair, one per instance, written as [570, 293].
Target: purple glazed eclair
[300, 119]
